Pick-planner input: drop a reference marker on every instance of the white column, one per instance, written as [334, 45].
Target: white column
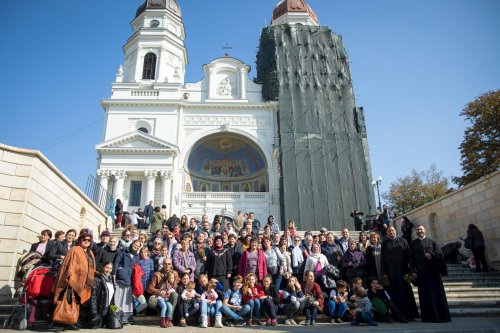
[211, 83]
[138, 65]
[161, 76]
[166, 188]
[103, 178]
[119, 176]
[100, 193]
[243, 85]
[150, 176]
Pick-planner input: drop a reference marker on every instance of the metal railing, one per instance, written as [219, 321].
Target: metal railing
[100, 196]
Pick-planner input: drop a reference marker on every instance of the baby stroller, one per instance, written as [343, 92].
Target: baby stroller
[35, 296]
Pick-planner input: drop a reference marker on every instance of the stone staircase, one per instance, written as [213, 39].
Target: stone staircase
[469, 293]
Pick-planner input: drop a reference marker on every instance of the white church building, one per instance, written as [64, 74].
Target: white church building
[199, 148]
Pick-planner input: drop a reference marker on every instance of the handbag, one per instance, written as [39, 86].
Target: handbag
[66, 311]
[115, 317]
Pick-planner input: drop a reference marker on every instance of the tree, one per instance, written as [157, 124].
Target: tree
[416, 189]
[480, 149]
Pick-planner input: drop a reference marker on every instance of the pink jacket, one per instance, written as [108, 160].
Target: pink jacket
[261, 265]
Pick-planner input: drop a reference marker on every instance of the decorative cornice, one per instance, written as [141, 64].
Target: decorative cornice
[225, 121]
[128, 150]
[230, 104]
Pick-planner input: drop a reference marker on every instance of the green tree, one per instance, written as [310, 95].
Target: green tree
[480, 150]
[418, 188]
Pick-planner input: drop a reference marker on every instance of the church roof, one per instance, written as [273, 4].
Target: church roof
[295, 6]
[170, 5]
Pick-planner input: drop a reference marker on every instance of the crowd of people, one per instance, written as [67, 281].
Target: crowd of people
[198, 272]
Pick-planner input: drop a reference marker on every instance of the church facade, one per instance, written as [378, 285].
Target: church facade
[209, 147]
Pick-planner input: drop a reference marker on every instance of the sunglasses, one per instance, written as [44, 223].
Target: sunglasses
[86, 240]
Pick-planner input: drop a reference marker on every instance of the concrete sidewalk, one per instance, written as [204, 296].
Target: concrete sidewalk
[458, 325]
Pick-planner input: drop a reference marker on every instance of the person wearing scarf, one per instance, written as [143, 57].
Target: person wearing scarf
[122, 274]
[126, 239]
[316, 261]
[373, 257]
[298, 256]
[201, 251]
[220, 263]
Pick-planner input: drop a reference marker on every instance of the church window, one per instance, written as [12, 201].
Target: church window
[143, 129]
[135, 193]
[154, 24]
[149, 69]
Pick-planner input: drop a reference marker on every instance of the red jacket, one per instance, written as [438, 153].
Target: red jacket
[261, 265]
[257, 293]
[137, 273]
[314, 290]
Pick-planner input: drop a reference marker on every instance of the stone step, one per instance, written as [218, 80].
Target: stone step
[475, 312]
[491, 291]
[470, 284]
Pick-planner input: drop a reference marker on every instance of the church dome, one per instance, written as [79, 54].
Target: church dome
[170, 5]
[293, 6]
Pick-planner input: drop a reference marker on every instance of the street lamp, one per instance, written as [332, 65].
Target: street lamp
[377, 184]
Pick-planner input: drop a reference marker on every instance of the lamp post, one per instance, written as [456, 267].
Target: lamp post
[377, 184]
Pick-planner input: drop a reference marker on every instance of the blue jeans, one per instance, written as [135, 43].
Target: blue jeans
[311, 312]
[365, 317]
[166, 307]
[277, 278]
[235, 315]
[254, 308]
[336, 310]
[210, 310]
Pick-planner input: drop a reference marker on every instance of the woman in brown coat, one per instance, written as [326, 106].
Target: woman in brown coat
[77, 272]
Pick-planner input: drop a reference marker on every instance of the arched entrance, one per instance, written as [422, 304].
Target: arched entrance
[226, 162]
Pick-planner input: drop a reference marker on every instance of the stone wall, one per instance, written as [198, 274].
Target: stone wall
[447, 218]
[35, 195]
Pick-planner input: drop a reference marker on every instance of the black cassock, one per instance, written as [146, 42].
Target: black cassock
[433, 303]
[396, 261]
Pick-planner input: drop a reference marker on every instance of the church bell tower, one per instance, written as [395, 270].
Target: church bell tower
[155, 53]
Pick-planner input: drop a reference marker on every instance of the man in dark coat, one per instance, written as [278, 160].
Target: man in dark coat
[331, 250]
[424, 256]
[396, 263]
[108, 252]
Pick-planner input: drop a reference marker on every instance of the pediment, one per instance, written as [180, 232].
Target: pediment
[137, 142]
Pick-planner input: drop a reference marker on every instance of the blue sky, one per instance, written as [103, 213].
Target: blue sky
[415, 64]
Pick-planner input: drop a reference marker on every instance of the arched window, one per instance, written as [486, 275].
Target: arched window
[143, 129]
[148, 72]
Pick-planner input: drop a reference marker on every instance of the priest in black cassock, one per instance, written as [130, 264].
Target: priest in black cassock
[396, 264]
[424, 256]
